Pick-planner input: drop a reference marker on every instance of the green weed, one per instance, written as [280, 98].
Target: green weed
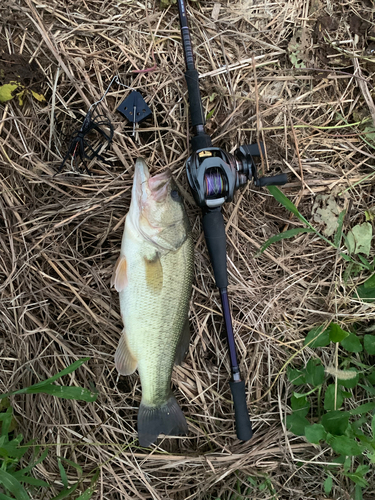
[16, 481]
[318, 404]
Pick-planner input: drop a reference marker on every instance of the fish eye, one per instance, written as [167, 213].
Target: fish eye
[175, 195]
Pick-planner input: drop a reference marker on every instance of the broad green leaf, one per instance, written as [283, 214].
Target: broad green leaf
[361, 409]
[300, 406]
[336, 422]
[352, 343]
[371, 377]
[314, 372]
[289, 205]
[338, 234]
[5, 497]
[8, 91]
[329, 398]
[373, 427]
[328, 483]
[13, 485]
[315, 433]
[345, 445]
[296, 377]
[210, 114]
[369, 343]
[365, 262]
[296, 424]
[283, 236]
[336, 333]
[317, 337]
[359, 239]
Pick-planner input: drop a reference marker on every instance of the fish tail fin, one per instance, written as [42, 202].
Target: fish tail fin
[165, 419]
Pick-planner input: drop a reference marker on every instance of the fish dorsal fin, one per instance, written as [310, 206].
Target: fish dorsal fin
[183, 345]
[125, 362]
[154, 273]
[119, 277]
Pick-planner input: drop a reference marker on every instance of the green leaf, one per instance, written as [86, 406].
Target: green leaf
[328, 483]
[336, 333]
[329, 398]
[34, 482]
[369, 388]
[357, 479]
[371, 377]
[13, 485]
[315, 433]
[66, 392]
[336, 422]
[352, 343]
[359, 238]
[314, 372]
[361, 409]
[65, 493]
[91, 490]
[210, 114]
[340, 222]
[369, 343]
[296, 377]
[300, 406]
[345, 445]
[283, 236]
[317, 337]
[64, 478]
[289, 205]
[33, 388]
[8, 91]
[296, 424]
[373, 427]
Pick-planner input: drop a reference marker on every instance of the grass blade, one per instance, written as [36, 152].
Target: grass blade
[13, 485]
[66, 392]
[282, 236]
[289, 205]
[338, 235]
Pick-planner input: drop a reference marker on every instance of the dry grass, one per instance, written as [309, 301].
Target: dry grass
[60, 235]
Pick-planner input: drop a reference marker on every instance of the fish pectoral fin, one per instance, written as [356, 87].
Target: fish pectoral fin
[125, 362]
[119, 277]
[154, 273]
[183, 345]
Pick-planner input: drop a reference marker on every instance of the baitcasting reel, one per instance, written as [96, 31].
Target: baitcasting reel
[214, 175]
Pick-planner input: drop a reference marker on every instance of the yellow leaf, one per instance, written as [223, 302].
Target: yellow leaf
[6, 91]
[38, 97]
[20, 96]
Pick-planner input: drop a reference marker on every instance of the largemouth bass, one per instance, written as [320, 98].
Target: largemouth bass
[153, 276]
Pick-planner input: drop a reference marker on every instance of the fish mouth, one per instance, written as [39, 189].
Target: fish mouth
[156, 186]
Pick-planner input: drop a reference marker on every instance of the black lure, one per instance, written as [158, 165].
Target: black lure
[88, 140]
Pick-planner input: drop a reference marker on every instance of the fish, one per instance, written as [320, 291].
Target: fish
[153, 276]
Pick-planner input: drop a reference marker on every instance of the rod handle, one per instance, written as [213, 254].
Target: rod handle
[195, 100]
[243, 423]
[214, 232]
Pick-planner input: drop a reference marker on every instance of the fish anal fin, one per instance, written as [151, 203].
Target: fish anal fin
[154, 273]
[125, 362]
[165, 419]
[119, 277]
[183, 345]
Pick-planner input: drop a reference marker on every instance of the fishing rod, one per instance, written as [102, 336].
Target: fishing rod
[214, 175]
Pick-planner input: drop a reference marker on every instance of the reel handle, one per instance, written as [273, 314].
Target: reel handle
[243, 424]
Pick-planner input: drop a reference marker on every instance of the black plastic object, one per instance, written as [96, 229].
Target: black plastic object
[275, 180]
[243, 423]
[134, 107]
[196, 109]
[214, 232]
